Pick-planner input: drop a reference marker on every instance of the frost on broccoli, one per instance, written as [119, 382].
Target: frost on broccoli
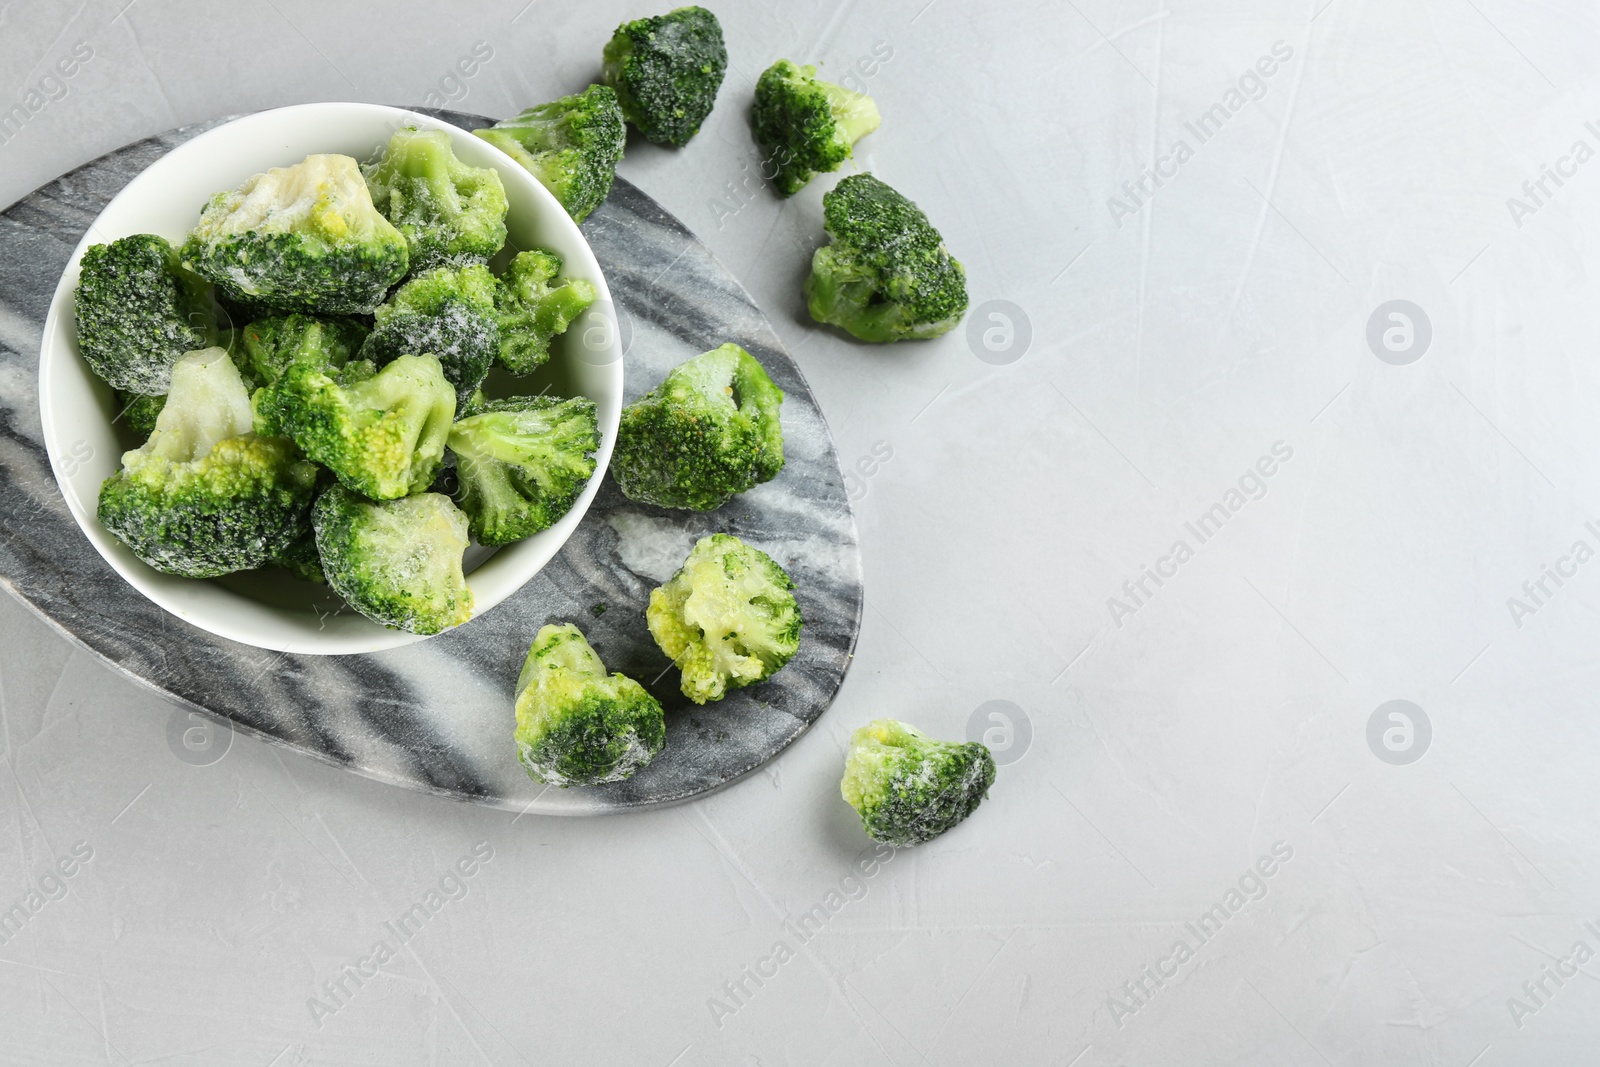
[666, 71]
[267, 347]
[300, 238]
[575, 724]
[728, 618]
[205, 495]
[447, 313]
[138, 310]
[521, 464]
[887, 275]
[381, 433]
[450, 213]
[533, 309]
[909, 788]
[806, 125]
[398, 562]
[139, 412]
[708, 431]
[571, 145]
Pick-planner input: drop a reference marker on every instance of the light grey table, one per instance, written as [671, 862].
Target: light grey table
[1195, 220]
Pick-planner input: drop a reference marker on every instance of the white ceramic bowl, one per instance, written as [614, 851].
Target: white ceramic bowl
[266, 608]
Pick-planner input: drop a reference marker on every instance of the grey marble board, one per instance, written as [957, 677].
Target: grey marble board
[437, 716]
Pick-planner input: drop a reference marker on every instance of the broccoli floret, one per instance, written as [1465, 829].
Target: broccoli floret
[451, 214]
[727, 618]
[806, 125]
[909, 788]
[301, 560]
[206, 496]
[398, 562]
[532, 310]
[710, 430]
[300, 238]
[521, 463]
[271, 344]
[445, 313]
[887, 275]
[139, 412]
[666, 71]
[381, 433]
[575, 724]
[138, 311]
[571, 145]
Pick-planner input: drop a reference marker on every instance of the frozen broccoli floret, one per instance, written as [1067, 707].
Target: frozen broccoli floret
[381, 433]
[450, 213]
[446, 313]
[398, 562]
[300, 238]
[575, 724]
[139, 412]
[301, 560]
[138, 311]
[727, 618]
[205, 496]
[909, 788]
[707, 432]
[533, 309]
[521, 463]
[806, 125]
[571, 145]
[268, 346]
[666, 71]
[887, 275]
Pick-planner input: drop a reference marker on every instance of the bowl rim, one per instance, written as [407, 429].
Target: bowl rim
[503, 578]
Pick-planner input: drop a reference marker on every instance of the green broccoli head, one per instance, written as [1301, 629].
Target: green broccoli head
[887, 275]
[575, 724]
[727, 618]
[205, 496]
[139, 412]
[271, 344]
[138, 311]
[707, 432]
[450, 213]
[571, 145]
[300, 238]
[398, 562]
[909, 788]
[301, 560]
[521, 464]
[666, 71]
[533, 309]
[806, 125]
[446, 313]
[381, 433]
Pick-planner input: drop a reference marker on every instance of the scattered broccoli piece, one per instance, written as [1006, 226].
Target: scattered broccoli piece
[398, 562]
[451, 214]
[887, 275]
[806, 125]
[271, 344]
[576, 725]
[206, 496]
[446, 313]
[666, 71]
[301, 560]
[707, 432]
[727, 618]
[139, 412]
[522, 462]
[532, 310]
[571, 145]
[138, 311]
[909, 788]
[300, 238]
[381, 433]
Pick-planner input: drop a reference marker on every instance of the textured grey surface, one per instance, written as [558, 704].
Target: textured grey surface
[437, 716]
